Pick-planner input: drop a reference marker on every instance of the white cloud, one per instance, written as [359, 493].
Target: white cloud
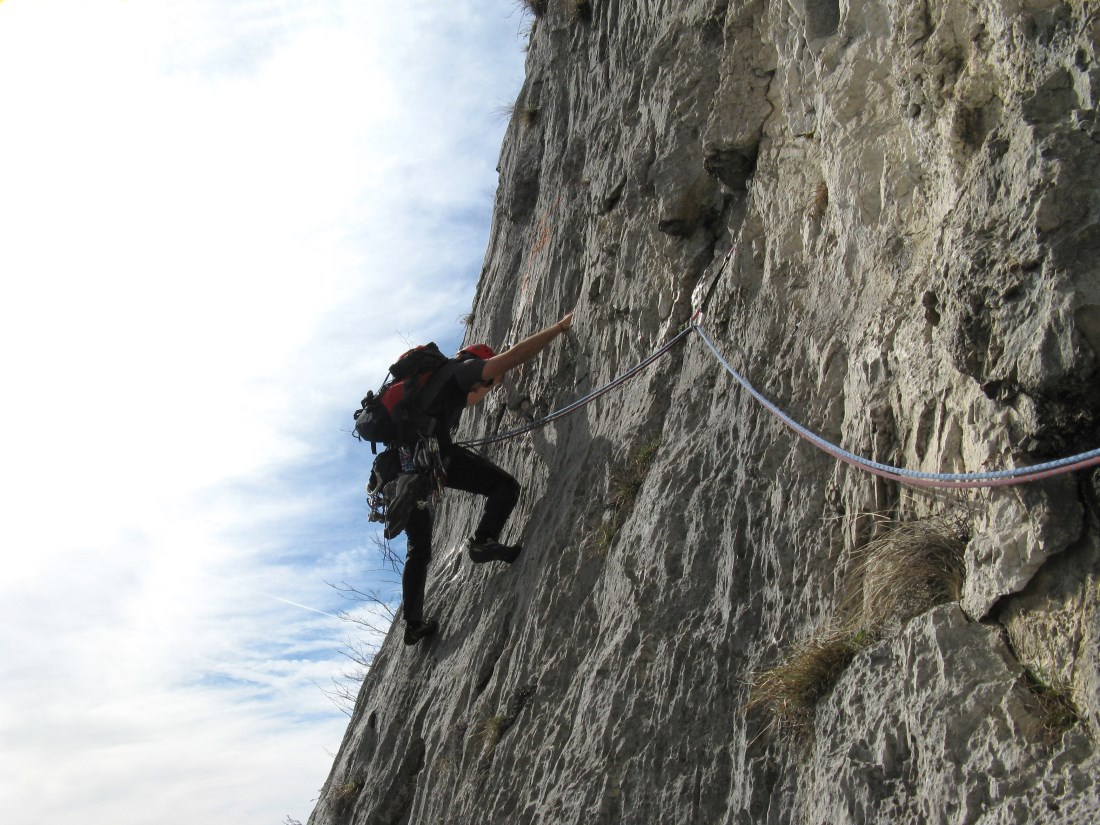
[218, 220]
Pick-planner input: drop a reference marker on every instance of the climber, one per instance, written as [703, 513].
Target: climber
[475, 371]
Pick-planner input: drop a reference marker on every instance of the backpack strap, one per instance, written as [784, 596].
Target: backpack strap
[417, 401]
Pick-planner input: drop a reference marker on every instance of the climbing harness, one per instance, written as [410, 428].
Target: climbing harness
[416, 482]
[427, 461]
[376, 501]
[995, 478]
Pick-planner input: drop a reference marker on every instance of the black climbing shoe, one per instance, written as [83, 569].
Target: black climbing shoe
[483, 550]
[415, 631]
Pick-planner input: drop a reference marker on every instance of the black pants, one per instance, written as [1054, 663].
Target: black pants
[465, 471]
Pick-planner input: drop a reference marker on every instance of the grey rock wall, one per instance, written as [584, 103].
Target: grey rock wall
[890, 210]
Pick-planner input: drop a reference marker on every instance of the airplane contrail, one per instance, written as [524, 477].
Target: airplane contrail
[303, 606]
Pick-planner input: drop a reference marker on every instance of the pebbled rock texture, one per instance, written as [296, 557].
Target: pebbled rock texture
[890, 212]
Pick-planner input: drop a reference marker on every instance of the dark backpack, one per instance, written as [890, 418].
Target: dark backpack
[395, 414]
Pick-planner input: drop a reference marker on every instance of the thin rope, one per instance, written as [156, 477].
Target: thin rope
[580, 402]
[917, 478]
[997, 478]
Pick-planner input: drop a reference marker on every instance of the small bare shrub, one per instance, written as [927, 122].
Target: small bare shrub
[373, 622]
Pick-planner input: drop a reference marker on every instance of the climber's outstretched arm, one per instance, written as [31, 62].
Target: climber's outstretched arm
[525, 350]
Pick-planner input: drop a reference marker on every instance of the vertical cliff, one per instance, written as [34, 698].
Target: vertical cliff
[890, 213]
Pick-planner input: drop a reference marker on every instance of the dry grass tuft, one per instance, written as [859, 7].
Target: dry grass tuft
[788, 694]
[452, 749]
[906, 571]
[820, 201]
[536, 7]
[528, 115]
[599, 543]
[626, 483]
[1056, 710]
[579, 10]
[899, 575]
[347, 794]
[489, 731]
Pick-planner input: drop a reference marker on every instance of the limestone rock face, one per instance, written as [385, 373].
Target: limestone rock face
[890, 213]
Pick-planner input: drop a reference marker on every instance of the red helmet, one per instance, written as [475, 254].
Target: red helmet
[482, 351]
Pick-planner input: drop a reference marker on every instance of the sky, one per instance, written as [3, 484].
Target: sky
[219, 223]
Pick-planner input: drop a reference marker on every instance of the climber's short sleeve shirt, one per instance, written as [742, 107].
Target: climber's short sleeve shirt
[468, 375]
[451, 400]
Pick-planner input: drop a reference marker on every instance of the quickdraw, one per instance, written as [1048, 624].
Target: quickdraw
[425, 461]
